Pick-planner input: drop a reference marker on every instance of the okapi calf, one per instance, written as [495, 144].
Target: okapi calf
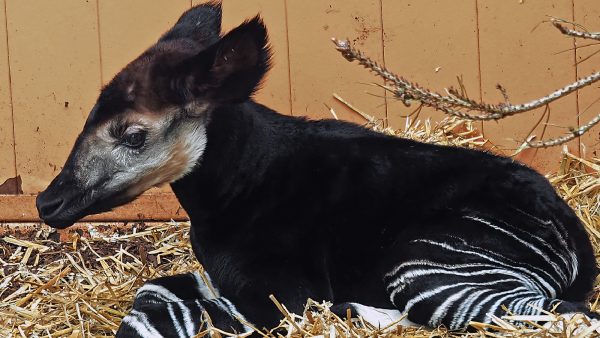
[325, 209]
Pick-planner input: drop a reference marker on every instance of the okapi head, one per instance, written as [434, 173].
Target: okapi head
[148, 126]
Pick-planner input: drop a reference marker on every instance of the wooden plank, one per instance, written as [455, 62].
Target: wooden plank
[149, 207]
[275, 92]
[318, 70]
[518, 51]
[7, 164]
[587, 13]
[54, 61]
[430, 47]
[127, 28]
[24, 230]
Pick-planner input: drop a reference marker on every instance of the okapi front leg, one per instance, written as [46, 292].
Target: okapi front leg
[249, 281]
[179, 306]
[182, 319]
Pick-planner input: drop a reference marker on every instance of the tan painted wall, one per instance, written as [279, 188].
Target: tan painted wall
[55, 55]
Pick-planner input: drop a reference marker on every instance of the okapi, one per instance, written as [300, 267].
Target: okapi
[325, 209]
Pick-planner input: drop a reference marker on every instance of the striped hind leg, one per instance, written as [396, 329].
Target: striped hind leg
[454, 302]
[475, 266]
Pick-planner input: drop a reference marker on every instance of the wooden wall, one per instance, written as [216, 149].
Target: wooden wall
[56, 55]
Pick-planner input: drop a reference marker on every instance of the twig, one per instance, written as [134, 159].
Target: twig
[574, 133]
[367, 117]
[504, 93]
[50, 283]
[207, 282]
[332, 112]
[286, 313]
[572, 32]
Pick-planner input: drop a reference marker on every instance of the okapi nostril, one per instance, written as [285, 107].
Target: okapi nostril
[50, 207]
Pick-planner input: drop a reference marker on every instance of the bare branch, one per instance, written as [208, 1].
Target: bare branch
[572, 32]
[406, 91]
[574, 133]
[504, 93]
[568, 89]
[456, 103]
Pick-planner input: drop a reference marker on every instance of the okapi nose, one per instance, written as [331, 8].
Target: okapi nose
[48, 208]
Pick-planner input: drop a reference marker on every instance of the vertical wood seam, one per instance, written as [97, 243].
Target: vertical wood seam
[99, 43]
[479, 75]
[576, 68]
[385, 92]
[289, 61]
[10, 94]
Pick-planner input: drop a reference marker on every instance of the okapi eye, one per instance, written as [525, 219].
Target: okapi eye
[134, 140]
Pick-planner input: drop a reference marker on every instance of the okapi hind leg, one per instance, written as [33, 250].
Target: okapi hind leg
[451, 274]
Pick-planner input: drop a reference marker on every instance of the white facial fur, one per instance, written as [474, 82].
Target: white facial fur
[174, 145]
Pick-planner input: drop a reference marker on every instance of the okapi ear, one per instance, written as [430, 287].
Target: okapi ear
[232, 69]
[242, 59]
[201, 23]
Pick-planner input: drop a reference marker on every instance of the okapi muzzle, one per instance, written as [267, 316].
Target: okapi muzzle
[66, 199]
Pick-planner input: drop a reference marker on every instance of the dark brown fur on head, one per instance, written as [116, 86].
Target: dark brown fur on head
[148, 126]
[143, 85]
[189, 64]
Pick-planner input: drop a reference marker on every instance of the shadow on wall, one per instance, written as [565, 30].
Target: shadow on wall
[12, 186]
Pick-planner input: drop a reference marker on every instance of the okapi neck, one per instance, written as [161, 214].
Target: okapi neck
[232, 163]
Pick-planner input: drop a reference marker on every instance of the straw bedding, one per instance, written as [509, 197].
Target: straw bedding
[84, 285]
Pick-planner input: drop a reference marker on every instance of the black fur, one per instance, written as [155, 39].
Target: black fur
[322, 209]
[201, 24]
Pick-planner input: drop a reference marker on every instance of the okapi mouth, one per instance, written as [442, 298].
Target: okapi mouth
[62, 212]
[57, 213]
[49, 211]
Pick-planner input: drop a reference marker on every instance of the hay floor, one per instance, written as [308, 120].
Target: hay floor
[83, 286]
